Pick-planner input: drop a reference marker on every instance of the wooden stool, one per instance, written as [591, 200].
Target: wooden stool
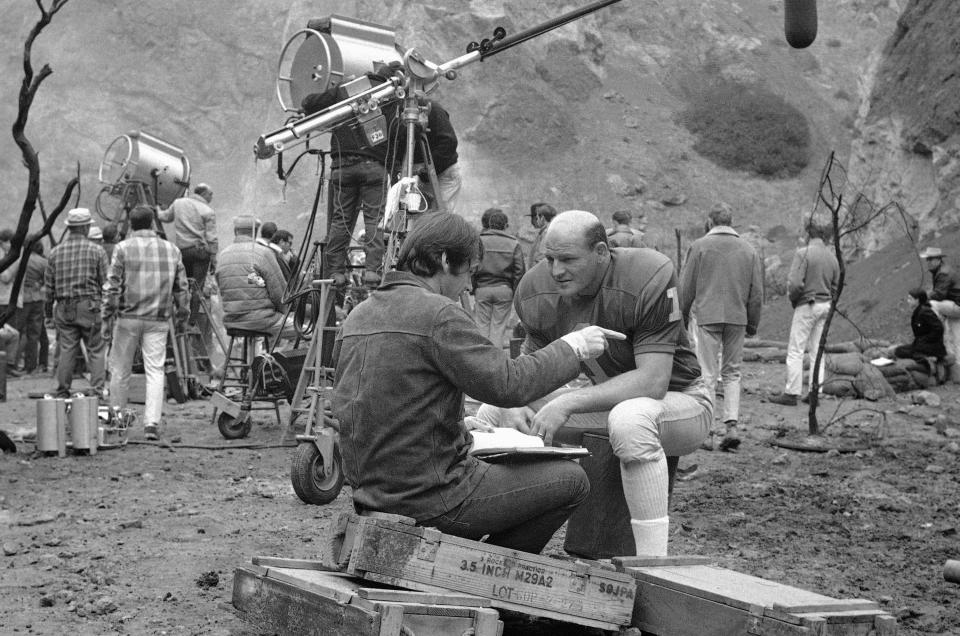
[600, 527]
[238, 374]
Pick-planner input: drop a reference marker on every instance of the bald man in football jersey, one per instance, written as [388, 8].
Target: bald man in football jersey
[647, 393]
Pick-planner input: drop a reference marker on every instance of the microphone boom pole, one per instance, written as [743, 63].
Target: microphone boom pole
[499, 45]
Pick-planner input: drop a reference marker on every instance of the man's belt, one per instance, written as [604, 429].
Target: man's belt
[63, 299]
[346, 161]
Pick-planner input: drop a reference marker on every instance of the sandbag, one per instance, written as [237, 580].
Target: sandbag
[840, 385]
[845, 363]
[871, 385]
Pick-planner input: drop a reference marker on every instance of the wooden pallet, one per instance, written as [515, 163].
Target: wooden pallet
[392, 550]
[298, 601]
[687, 597]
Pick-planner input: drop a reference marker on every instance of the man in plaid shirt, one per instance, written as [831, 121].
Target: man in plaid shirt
[76, 271]
[146, 281]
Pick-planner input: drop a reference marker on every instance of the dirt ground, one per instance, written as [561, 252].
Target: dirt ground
[144, 539]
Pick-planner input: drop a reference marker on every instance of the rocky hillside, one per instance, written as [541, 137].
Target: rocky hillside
[585, 116]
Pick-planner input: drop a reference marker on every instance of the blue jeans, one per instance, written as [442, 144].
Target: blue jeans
[354, 189]
[78, 320]
[519, 505]
[493, 311]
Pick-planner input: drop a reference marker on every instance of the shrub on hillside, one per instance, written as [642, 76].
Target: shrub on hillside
[748, 128]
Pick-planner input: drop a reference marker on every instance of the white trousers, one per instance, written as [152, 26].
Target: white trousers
[949, 314]
[151, 337]
[805, 332]
[720, 352]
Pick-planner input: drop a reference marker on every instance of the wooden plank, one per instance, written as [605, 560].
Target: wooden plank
[292, 564]
[409, 521]
[529, 583]
[278, 607]
[425, 598]
[622, 562]
[833, 605]
[414, 585]
[391, 620]
[736, 589]
[885, 625]
[705, 595]
[432, 620]
[322, 588]
[666, 612]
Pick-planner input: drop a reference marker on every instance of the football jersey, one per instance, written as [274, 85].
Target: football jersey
[637, 296]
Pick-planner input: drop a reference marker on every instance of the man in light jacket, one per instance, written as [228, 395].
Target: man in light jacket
[722, 286]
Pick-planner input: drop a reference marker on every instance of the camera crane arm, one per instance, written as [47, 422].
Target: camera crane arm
[423, 71]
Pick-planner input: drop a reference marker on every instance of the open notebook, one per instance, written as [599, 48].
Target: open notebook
[509, 443]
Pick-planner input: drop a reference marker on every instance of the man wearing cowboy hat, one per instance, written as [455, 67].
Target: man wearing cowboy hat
[945, 298]
[76, 271]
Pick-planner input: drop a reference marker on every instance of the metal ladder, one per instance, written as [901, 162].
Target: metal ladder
[316, 378]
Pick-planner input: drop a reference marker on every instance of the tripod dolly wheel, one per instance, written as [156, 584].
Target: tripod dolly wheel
[232, 427]
[310, 481]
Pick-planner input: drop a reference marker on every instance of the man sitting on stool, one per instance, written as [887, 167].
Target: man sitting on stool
[647, 396]
[251, 284]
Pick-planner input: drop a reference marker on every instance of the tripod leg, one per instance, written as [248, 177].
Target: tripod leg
[438, 201]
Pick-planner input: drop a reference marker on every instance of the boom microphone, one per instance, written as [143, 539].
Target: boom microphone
[800, 22]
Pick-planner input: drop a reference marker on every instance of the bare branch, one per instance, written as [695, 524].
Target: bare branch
[28, 90]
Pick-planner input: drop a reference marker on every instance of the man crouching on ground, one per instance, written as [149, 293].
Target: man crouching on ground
[404, 359]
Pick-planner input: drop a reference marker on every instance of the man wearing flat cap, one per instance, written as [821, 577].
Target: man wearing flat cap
[251, 283]
[945, 297]
[76, 272]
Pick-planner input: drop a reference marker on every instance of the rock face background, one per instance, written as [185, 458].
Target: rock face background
[582, 117]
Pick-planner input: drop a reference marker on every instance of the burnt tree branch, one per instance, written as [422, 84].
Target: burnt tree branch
[28, 90]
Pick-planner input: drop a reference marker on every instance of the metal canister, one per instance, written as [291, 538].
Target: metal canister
[51, 425]
[84, 423]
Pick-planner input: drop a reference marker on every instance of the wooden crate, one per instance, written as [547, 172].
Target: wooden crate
[686, 597]
[392, 550]
[292, 600]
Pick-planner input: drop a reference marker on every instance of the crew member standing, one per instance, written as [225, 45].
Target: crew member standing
[195, 235]
[722, 286]
[811, 284]
[501, 269]
[621, 234]
[358, 185]
[945, 298]
[73, 283]
[145, 284]
[540, 216]
[33, 338]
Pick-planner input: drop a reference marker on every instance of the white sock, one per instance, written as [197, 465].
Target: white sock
[645, 488]
[650, 535]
